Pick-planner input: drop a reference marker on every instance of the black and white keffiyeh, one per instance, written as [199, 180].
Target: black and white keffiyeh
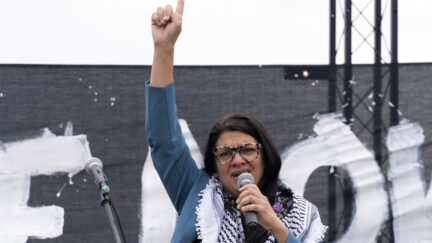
[218, 219]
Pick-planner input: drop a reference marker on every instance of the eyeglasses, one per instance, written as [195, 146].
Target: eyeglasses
[248, 152]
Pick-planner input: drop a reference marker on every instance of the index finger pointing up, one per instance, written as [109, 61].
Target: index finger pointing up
[180, 7]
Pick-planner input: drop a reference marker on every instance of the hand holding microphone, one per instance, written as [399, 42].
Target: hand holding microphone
[256, 207]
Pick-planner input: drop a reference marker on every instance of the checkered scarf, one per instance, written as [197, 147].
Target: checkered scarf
[219, 220]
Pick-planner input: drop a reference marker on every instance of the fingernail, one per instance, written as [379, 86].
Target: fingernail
[165, 18]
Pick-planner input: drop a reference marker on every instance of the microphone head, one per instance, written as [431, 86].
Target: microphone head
[93, 162]
[245, 178]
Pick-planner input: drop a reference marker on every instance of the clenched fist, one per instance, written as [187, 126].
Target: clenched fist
[166, 25]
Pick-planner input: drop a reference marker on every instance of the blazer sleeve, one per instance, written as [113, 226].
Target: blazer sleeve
[292, 239]
[170, 153]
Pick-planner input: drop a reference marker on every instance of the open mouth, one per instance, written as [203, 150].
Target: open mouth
[235, 175]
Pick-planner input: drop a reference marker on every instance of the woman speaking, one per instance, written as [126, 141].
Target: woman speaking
[210, 203]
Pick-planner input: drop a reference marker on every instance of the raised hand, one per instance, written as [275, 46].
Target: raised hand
[167, 25]
[166, 28]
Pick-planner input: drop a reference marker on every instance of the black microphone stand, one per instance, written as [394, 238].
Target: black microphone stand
[109, 207]
[94, 167]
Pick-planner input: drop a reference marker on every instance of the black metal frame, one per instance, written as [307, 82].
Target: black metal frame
[329, 72]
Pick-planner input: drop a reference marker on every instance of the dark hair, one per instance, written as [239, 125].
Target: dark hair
[271, 159]
[249, 125]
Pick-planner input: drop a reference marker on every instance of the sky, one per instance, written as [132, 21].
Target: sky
[223, 32]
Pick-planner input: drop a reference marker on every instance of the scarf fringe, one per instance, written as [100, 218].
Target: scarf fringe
[198, 209]
[199, 219]
[323, 230]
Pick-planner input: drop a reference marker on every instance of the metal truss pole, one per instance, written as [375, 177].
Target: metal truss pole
[348, 109]
[394, 66]
[347, 106]
[332, 55]
[332, 108]
[394, 99]
[377, 118]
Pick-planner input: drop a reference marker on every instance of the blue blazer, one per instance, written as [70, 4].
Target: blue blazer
[173, 161]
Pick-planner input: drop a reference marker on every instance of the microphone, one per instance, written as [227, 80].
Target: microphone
[94, 167]
[250, 217]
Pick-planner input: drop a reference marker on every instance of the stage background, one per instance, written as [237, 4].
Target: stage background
[107, 104]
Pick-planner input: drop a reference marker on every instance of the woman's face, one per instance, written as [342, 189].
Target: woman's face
[229, 173]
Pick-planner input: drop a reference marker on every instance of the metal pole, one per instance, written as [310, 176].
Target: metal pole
[377, 118]
[347, 106]
[332, 108]
[107, 207]
[394, 98]
[394, 66]
[332, 55]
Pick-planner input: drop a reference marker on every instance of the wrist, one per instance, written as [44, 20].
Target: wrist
[164, 55]
[164, 49]
[280, 232]
[162, 68]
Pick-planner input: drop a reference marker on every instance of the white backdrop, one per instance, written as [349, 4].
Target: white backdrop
[219, 32]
